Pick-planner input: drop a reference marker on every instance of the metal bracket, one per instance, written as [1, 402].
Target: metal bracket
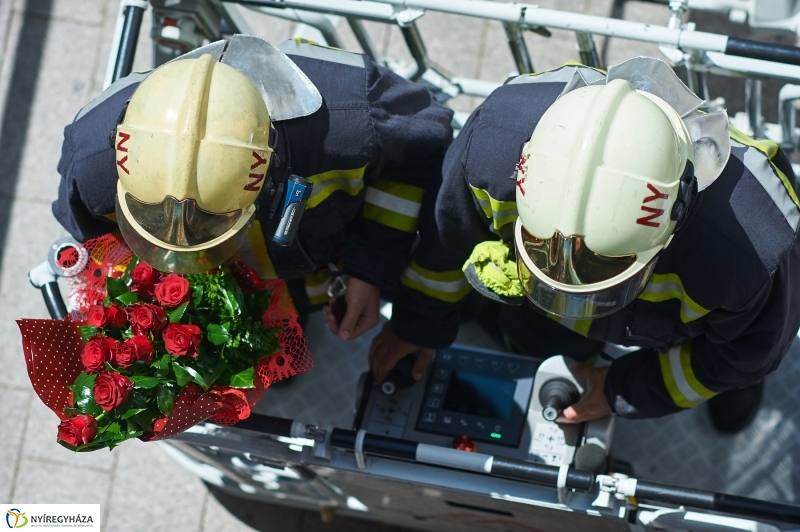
[407, 16]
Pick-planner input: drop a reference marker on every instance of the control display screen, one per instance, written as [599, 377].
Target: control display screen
[478, 395]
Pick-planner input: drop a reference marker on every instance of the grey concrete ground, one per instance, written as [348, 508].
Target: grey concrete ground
[53, 56]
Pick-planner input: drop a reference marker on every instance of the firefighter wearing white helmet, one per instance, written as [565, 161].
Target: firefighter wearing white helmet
[595, 209]
[194, 161]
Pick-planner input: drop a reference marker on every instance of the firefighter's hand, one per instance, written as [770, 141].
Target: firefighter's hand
[593, 404]
[388, 349]
[363, 304]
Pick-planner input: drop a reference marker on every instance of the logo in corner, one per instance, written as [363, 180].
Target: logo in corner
[16, 518]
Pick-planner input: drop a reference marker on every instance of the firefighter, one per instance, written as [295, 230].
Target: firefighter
[192, 162]
[617, 212]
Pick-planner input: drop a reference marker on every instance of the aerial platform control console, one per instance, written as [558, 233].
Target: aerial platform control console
[506, 404]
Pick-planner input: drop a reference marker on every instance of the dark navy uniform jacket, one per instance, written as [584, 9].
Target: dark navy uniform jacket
[374, 151]
[723, 304]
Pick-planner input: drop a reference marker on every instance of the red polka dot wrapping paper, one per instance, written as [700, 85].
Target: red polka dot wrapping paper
[52, 351]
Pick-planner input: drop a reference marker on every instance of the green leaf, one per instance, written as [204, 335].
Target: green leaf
[116, 287]
[128, 298]
[218, 334]
[131, 265]
[261, 300]
[243, 379]
[87, 331]
[85, 380]
[166, 399]
[142, 381]
[182, 377]
[162, 365]
[197, 377]
[132, 412]
[176, 315]
[197, 294]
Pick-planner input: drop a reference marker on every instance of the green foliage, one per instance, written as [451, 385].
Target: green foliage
[234, 339]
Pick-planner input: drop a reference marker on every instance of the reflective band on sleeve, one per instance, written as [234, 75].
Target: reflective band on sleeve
[755, 154]
[254, 253]
[326, 183]
[393, 204]
[679, 378]
[316, 286]
[662, 287]
[500, 212]
[450, 286]
[310, 49]
[579, 326]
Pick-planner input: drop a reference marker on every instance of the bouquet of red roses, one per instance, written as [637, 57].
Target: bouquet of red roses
[159, 353]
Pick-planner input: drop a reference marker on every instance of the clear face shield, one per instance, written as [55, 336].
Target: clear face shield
[562, 276]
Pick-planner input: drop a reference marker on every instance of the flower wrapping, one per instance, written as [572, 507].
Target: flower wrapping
[149, 355]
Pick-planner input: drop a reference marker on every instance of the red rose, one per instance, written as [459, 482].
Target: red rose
[111, 389]
[97, 316]
[145, 317]
[144, 348]
[97, 352]
[172, 290]
[143, 278]
[234, 404]
[77, 430]
[180, 339]
[115, 316]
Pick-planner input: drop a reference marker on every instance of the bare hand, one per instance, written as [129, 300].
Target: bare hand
[593, 404]
[363, 303]
[388, 349]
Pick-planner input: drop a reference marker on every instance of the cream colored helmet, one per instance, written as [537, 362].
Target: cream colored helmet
[193, 153]
[603, 183]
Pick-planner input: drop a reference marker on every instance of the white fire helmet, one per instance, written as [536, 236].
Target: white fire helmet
[193, 153]
[604, 181]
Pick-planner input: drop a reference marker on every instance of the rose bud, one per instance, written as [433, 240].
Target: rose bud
[145, 317]
[111, 389]
[97, 352]
[115, 316]
[182, 340]
[77, 430]
[143, 278]
[97, 316]
[172, 291]
[144, 348]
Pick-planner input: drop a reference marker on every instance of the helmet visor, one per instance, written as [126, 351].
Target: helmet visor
[562, 276]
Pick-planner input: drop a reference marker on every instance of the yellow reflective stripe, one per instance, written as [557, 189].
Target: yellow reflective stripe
[253, 253]
[663, 287]
[679, 378]
[326, 183]
[393, 204]
[449, 286]
[579, 326]
[770, 149]
[316, 286]
[500, 212]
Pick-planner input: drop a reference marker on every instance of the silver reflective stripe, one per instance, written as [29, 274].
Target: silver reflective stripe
[761, 168]
[112, 89]
[313, 51]
[680, 378]
[392, 202]
[449, 287]
[660, 288]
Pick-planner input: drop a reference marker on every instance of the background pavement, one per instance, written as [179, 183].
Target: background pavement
[53, 56]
